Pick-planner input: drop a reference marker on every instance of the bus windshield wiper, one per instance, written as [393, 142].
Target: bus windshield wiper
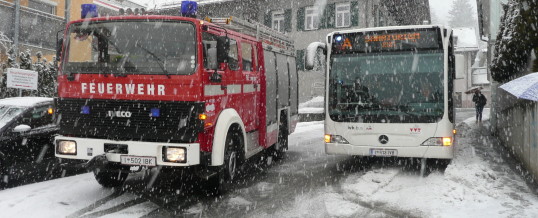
[156, 59]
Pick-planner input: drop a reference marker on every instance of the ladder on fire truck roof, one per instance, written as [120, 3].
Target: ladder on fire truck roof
[271, 39]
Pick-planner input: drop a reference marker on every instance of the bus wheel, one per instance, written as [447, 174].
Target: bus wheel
[229, 171]
[281, 145]
[441, 164]
[110, 176]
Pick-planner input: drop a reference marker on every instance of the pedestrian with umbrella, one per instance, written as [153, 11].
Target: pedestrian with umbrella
[479, 101]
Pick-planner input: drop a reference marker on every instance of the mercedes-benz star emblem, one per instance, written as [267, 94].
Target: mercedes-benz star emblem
[383, 139]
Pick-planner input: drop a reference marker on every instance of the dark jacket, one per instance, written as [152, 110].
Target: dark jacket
[479, 100]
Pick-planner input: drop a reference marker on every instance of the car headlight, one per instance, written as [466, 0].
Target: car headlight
[335, 139]
[175, 154]
[438, 141]
[67, 147]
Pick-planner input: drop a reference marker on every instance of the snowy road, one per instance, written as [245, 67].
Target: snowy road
[480, 182]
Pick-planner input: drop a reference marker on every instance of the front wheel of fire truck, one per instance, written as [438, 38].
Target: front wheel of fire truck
[110, 176]
[233, 158]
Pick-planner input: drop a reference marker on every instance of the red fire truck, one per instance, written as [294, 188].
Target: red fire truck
[173, 92]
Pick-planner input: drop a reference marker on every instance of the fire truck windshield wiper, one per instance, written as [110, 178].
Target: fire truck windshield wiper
[156, 59]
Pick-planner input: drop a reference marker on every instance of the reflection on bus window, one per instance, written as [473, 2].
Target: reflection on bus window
[396, 87]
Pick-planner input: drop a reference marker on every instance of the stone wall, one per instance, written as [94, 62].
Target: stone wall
[517, 127]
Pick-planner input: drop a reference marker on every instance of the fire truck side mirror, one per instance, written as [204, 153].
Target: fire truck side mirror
[59, 44]
[223, 47]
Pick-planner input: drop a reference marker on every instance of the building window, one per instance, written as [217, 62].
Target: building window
[311, 21]
[43, 5]
[278, 21]
[343, 15]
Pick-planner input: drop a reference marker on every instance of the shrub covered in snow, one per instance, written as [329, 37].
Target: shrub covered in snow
[517, 39]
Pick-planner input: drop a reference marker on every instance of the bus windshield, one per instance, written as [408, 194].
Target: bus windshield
[387, 87]
[131, 47]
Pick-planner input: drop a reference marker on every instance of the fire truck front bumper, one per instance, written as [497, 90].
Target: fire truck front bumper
[133, 153]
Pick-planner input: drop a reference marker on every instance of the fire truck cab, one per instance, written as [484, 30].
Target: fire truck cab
[173, 92]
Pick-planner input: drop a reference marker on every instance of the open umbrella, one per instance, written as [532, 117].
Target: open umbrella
[473, 89]
[525, 87]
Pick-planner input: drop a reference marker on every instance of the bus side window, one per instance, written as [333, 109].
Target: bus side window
[209, 41]
[233, 56]
[247, 55]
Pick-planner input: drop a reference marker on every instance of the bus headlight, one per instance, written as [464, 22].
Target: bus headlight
[438, 141]
[335, 139]
[67, 147]
[174, 154]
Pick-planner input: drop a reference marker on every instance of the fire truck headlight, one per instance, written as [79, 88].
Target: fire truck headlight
[175, 154]
[335, 139]
[438, 141]
[67, 147]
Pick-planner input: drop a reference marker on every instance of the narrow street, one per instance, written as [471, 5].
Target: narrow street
[481, 180]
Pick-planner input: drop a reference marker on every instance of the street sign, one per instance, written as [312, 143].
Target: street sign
[21, 79]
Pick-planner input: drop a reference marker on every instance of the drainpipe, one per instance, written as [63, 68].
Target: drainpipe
[67, 12]
[17, 27]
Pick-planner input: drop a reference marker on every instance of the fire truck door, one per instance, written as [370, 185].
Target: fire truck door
[250, 85]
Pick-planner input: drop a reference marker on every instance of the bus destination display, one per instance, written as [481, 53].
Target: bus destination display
[402, 40]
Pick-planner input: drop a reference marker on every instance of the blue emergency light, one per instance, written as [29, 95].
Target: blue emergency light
[85, 109]
[155, 112]
[89, 11]
[189, 8]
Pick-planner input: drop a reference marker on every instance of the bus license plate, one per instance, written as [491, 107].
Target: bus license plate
[383, 152]
[138, 161]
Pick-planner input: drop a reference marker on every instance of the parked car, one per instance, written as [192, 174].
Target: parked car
[27, 129]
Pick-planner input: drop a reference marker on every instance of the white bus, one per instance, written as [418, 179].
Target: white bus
[389, 92]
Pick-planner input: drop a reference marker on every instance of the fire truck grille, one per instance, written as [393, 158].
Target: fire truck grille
[130, 120]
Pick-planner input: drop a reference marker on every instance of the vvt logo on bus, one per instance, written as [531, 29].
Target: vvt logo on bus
[125, 114]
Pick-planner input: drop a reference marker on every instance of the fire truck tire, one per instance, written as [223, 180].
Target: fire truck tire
[110, 176]
[281, 145]
[233, 158]
[2, 173]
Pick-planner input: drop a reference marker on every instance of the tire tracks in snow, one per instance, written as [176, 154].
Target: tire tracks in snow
[97, 204]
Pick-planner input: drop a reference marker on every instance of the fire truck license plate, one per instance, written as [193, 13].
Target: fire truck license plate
[138, 161]
[383, 152]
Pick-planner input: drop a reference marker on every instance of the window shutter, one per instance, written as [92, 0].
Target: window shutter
[268, 19]
[300, 60]
[300, 19]
[354, 13]
[287, 20]
[330, 15]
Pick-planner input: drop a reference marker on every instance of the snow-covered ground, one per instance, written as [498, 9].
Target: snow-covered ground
[312, 106]
[308, 183]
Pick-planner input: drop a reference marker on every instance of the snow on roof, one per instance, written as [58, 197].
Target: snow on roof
[24, 101]
[466, 37]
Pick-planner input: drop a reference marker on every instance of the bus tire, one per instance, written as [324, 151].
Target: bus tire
[230, 170]
[110, 176]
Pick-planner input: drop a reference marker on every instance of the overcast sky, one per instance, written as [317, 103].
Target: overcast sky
[439, 7]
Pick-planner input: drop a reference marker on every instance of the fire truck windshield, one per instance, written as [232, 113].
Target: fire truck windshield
[131, 47]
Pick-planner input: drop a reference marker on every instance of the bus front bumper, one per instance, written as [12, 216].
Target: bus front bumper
[134, 153]
[440, 152]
